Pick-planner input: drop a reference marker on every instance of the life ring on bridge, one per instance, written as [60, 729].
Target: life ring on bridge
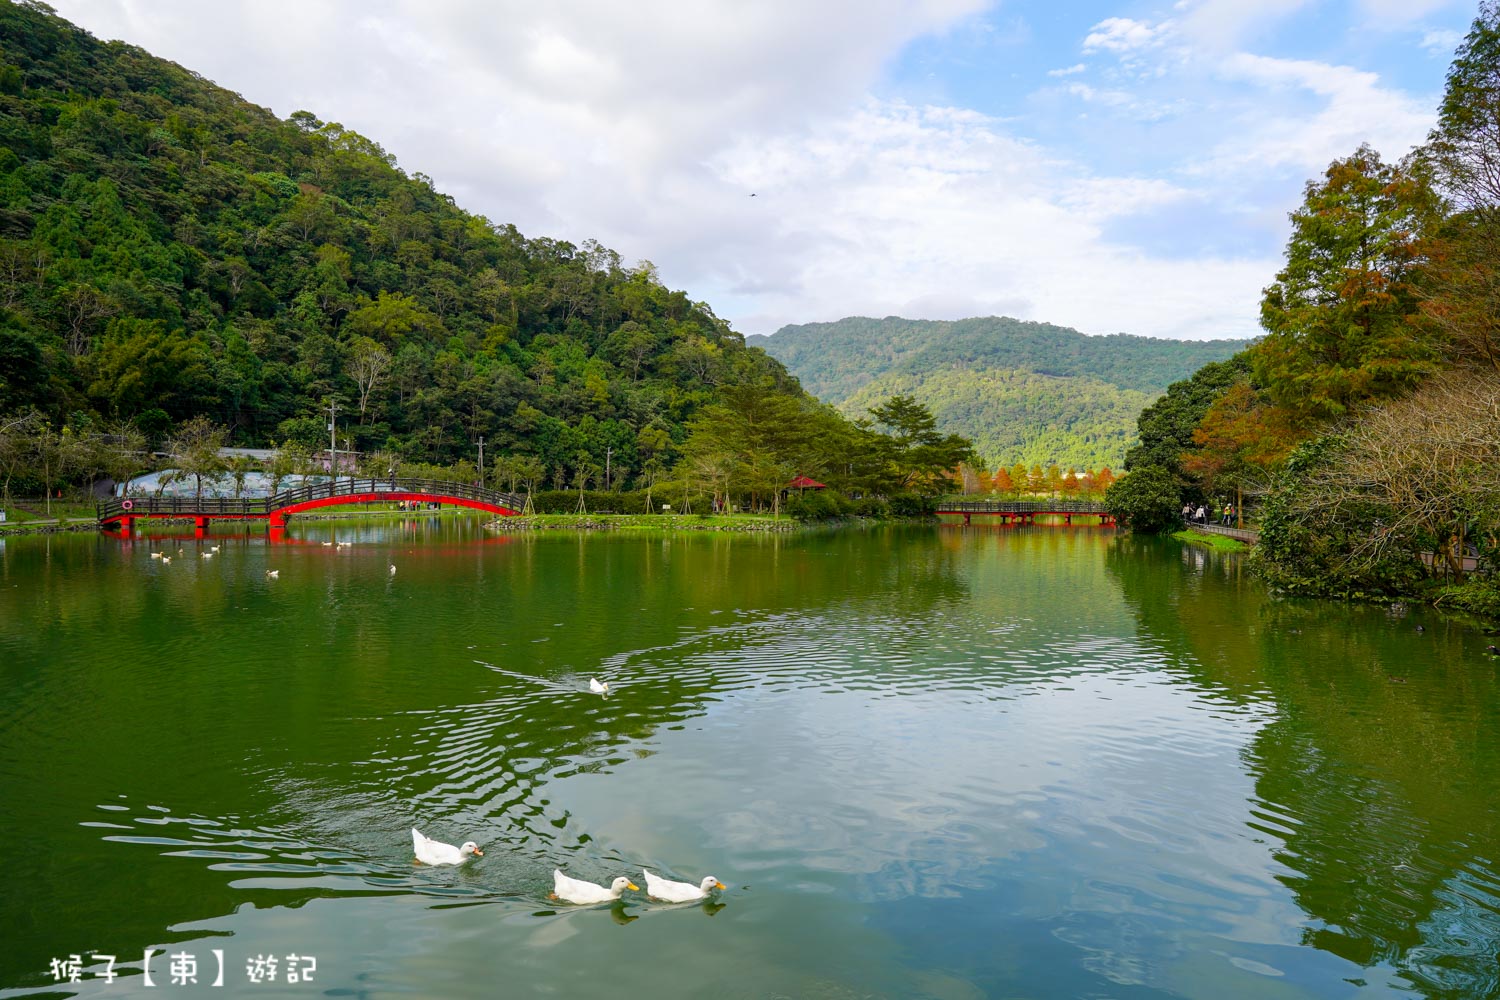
[128, 505]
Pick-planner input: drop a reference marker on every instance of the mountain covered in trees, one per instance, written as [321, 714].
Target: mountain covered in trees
[171, 253]
[1027, 392]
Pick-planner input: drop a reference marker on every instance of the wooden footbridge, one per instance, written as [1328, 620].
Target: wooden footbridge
[1027, 511]
[121, 513]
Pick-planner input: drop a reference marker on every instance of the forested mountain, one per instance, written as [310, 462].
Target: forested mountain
[169, 251]
[1013, 415]
[1028, 392]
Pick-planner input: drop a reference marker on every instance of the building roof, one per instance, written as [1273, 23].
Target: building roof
[804, 483]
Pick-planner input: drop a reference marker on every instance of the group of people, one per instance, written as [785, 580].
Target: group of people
[1201, 514]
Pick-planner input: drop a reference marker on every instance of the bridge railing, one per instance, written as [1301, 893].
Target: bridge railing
[186, 506]
[263, 506]
[1023, 507]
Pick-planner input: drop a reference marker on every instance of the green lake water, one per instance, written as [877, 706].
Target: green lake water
[927, 762]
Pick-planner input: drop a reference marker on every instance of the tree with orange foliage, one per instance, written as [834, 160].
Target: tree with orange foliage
[1104, 480]
[1239, 439]
[1002, 482]
[1342, 317]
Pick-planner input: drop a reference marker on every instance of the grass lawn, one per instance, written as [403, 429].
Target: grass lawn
[37, 511]
[1221, 542]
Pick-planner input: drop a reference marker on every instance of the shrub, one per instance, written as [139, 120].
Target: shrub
[818, 505]
[912, 505]
[1480, 597]
[1146, 501]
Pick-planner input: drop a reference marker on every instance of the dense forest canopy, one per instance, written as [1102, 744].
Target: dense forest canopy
[1028, 392]
[834, 360]
[1014, 415]
[169, 251]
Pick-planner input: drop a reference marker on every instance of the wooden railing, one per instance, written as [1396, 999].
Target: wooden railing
[137, 506]
[1023, 507]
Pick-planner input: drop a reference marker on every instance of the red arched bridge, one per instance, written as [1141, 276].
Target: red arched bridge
[122, 512]
[1027, 511]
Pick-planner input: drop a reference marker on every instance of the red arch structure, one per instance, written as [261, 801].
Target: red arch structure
[122, 512]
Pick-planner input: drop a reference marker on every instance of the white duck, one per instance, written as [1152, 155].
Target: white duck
[430, 852]
[273, 573]
[393, 569]
[156, 555]
[597, 687]
[572, 890]
[679, 892]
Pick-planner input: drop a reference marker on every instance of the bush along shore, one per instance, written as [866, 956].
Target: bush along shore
[646, 522]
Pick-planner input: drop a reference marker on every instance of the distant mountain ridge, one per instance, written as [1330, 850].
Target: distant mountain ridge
[1023, 391]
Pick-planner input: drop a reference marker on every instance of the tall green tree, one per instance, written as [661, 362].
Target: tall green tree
[1166, 426]
[923, 458]
[1464, 150]
[1343, 316]
[1240, 439]
[1464, 142]
[194, 450]
[1146, 501]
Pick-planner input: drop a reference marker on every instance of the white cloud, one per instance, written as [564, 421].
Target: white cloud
[1384, 13]
[1223, 25]
[1355, 109]
[1124, 35]
[1068, 71]
[1441, 41]
[899, 207]
[1124, 103]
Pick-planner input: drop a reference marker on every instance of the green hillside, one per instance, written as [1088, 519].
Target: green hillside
[1020, 416]
[171, 251]
[1028, 392]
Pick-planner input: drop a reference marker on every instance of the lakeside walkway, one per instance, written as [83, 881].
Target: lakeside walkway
[1247, 535]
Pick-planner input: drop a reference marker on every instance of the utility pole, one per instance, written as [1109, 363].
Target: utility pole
[481, 460]
[333, 448]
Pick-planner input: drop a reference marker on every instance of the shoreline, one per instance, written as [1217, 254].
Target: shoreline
[748, 523]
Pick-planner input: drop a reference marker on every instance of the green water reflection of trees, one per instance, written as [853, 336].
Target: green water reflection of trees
[1376, 775]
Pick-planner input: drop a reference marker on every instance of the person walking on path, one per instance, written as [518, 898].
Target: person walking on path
[1202, 516]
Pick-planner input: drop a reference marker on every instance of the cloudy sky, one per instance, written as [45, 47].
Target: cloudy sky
[1112, 166]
